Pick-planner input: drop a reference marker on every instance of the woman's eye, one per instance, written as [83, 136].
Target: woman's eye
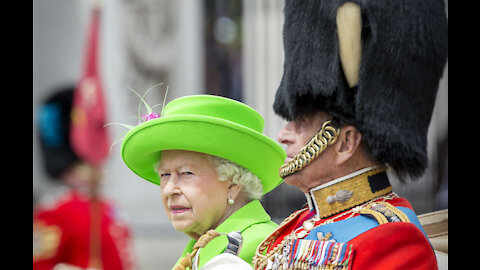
[186, 173]
[164, 175]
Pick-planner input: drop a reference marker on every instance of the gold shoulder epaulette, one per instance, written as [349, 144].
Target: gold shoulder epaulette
[384, 212]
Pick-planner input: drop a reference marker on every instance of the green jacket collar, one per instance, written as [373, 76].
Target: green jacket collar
[250, 214]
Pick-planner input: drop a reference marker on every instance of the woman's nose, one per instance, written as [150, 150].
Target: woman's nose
[171, 186]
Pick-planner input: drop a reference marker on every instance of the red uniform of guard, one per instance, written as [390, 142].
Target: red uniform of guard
[76, 230]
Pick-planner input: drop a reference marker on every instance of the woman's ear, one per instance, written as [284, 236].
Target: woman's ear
[348, 144]
[234, 190]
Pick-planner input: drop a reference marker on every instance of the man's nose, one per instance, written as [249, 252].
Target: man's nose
[285, 135]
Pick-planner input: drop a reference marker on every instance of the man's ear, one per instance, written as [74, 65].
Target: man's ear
[348, 143]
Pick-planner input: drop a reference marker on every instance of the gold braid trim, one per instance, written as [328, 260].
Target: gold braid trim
[381, 214]
[202, 242]
[381, 219]
[260, 260]
[326, 136]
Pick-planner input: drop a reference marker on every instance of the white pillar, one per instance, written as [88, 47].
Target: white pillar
[263, 58]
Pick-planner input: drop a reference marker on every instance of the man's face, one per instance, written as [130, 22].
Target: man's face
[297, 134]
[83, 175]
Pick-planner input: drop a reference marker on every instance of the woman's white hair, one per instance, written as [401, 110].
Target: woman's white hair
[229, 170]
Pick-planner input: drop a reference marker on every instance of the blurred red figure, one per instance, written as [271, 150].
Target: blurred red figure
[73, 226]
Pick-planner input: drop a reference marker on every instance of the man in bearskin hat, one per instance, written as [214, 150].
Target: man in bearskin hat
[358, 90]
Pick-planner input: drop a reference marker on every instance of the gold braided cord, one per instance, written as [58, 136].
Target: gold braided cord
[326, 136]
[202, 242]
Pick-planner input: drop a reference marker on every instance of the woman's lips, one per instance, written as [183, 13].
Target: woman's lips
[176, 209]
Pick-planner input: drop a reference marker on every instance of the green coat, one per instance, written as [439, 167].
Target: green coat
[253, 222]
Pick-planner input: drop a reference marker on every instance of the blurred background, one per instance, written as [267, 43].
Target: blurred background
[227, 48]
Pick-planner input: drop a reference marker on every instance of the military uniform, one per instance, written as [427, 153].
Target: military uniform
[73, 229]
[358, 62]
[355, 222]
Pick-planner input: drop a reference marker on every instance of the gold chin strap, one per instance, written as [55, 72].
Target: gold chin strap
[326, 136]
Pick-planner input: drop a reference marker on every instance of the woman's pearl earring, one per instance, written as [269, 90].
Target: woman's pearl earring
[230, 201]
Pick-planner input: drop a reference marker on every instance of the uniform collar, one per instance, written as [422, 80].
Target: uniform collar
[348, 191]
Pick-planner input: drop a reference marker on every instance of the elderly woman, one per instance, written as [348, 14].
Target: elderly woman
[213, 164]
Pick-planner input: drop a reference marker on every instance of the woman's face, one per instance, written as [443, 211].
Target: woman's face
[194, 199]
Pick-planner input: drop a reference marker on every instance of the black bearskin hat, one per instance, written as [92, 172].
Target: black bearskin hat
[53, 126]
[404, 47]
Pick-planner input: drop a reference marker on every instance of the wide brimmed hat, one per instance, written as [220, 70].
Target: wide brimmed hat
[207, 124]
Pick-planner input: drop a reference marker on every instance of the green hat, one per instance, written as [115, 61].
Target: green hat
[208, 124]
